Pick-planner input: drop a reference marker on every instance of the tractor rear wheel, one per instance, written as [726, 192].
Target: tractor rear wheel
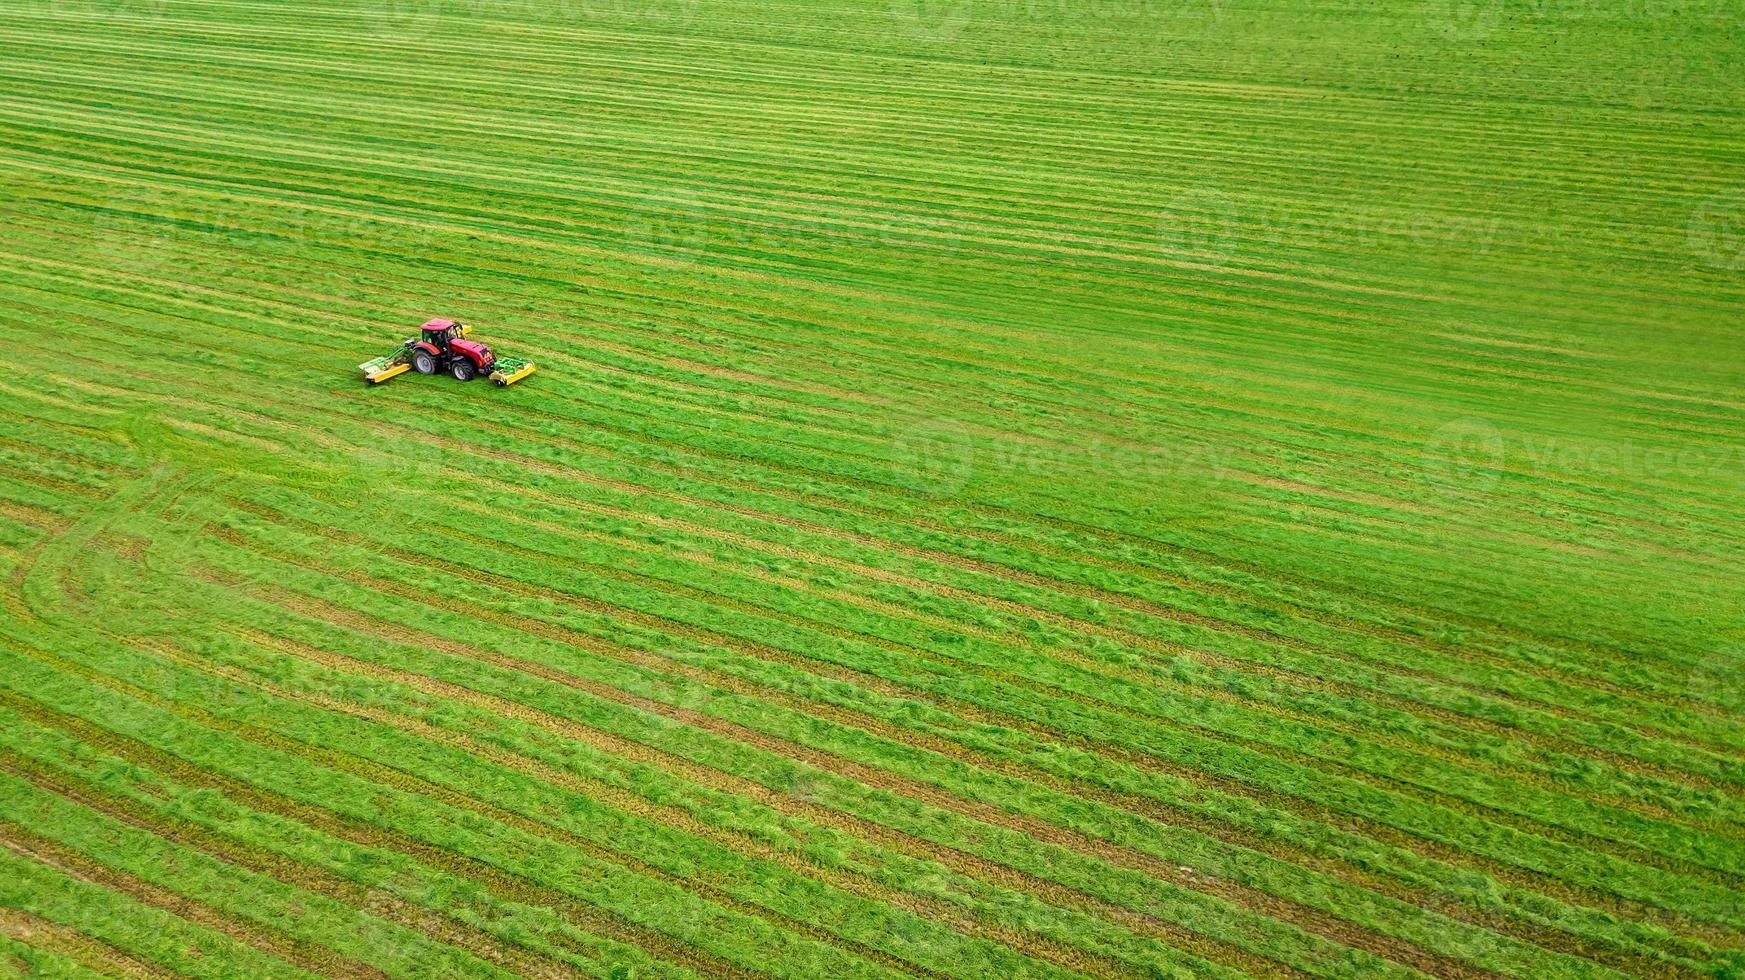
[423, 362]
[463, 370]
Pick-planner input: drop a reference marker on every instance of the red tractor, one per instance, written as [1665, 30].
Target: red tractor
[441, 345]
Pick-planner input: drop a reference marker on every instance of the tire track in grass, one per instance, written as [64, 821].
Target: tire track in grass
[382, 774]
[178, 828]
[619, 748]
[1008, 517]
[995, 572]
[19, 958]
[1163, 648]
[1006, 572]
[1457, 857]
[1248, 702]
[498, 582]
[387, 775]
[538, 772]
[724, 783]
[351, 621]
[979, 178]
[491, 884]
[703, 961]
[142, 490]
[551, 59]
[668, 814]
[102, 960]
[1307, 757]
[513, 239]
[316, 959]
[858, 772]
[351, 937]
[1147, 806]
[71, 900]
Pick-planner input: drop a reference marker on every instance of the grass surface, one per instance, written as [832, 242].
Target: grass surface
[1011, 490]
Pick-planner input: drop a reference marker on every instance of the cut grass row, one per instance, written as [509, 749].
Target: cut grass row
[516, 607]
[139, 930]
[1491, 680]
[451, 776]
[565, 869]
[677, 661]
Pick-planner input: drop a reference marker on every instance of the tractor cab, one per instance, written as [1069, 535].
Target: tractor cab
[440, 333]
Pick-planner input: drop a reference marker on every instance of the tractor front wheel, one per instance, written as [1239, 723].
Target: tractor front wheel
[463, 370]
[423, 362]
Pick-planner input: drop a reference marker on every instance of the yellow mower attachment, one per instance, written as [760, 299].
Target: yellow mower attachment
[382, 368]
[510, 370]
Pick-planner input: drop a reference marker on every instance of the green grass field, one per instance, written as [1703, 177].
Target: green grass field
[1013, 488]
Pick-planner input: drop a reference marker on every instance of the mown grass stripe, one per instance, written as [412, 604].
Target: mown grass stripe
[139, 930]
[322, 839]
[292, 776]
[665, 691]
[690, 640]
[620, 748]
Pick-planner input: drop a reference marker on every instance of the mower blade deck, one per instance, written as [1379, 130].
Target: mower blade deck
[510, 370]
[382, 368]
